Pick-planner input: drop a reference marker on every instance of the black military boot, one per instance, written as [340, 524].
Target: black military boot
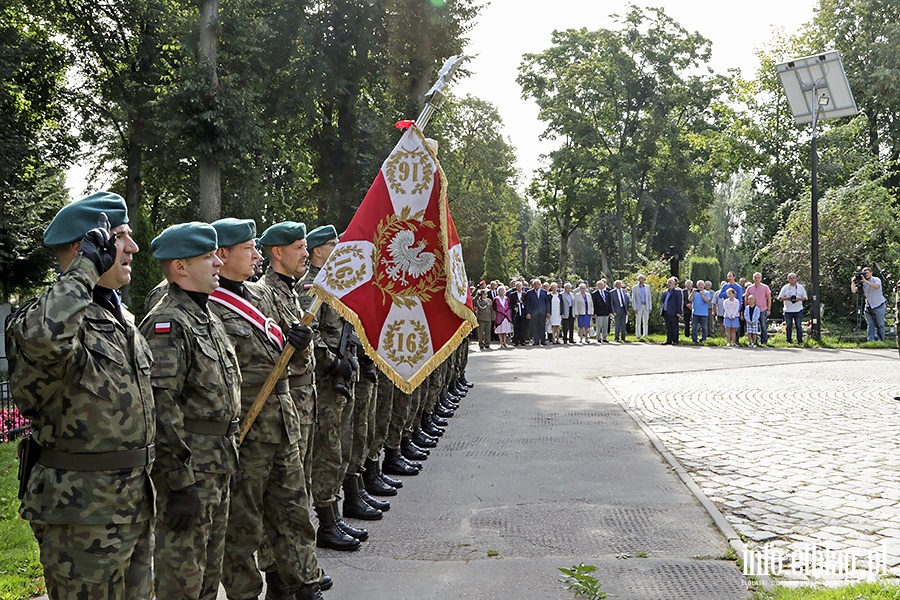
[329, 534]
[423, 440]
[310, 591]
[354, 532]
[448, 402]
[326, 583]
[466, 382]
[382, 505]
[459, 389]
[411, 451]
[373, 484]
[429, 426]
[354, 506]
[442, 412]
[394, 464]
[394, 483]
[275, 587]
[438, 420]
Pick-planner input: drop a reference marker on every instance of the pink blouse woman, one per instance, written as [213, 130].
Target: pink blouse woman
[502, 316]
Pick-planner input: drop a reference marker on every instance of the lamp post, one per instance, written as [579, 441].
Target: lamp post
[816, 89]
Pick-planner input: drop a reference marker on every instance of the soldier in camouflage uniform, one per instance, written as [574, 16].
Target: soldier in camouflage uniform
[196, 384]
[357, 501]
[285, 245]
[404, 409]
[80, 370]
[270, 499]
[377, 484]
[334, 388]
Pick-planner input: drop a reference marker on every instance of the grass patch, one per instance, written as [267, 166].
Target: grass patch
[21, 575]
[859, 591]
[833, 342]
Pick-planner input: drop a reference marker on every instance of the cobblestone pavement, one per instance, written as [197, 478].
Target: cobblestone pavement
[796, 456]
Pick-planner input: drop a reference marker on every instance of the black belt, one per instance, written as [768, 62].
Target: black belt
[212, 427]
[96, 461]
[298, 380]
[281, 387]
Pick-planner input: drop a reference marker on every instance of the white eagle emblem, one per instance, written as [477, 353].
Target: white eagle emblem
[406, 259]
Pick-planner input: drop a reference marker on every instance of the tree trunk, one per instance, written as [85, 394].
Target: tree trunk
[604, 263]
[208, 164]
[134, 155]
[564, 236]
[652, 229]
[620, 237]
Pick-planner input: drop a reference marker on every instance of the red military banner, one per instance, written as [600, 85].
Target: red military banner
[398, 273]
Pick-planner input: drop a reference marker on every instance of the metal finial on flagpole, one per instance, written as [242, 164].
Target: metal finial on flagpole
[435, 96]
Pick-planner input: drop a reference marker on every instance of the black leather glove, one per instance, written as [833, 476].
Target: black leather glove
[181, 508]
[99, 246]
[354, 363]
[299, 336]
[370, 374]
[341, 368]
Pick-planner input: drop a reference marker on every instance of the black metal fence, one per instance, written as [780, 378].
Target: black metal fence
[12, 424]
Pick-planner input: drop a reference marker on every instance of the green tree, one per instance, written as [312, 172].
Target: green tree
[859, 224]
[867, 33]
[34, 145]
[625, 104]
[480, 168]
[494, 258]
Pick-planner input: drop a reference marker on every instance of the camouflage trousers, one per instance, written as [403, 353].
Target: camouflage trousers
[264, 556]
[362, 419]
[96, 562]
[381, 416]
[402, 405]
[270, 503]
[327, 473]
[188, 564]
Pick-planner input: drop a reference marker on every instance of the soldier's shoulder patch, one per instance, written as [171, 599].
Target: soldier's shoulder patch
[161, 327]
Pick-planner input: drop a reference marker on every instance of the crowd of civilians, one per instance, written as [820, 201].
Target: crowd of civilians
[544, 312]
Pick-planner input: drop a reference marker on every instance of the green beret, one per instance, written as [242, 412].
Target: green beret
[185, 240]
[77, 218]
[232, 232]
[320, 235]
[283, 234]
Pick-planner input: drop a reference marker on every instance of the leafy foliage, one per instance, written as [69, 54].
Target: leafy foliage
[579, 580]
[33, 146]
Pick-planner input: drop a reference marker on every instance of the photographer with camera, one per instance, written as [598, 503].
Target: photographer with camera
[864, 281]
[793, 294]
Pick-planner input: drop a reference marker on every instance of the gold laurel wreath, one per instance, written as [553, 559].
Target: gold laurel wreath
[413, 156]
[424, 288]
[394, 354]
[343, 284]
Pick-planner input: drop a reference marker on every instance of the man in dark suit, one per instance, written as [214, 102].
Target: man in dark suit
[537, 310]
[601, 297]
[619, 305]
[517, 306]
[672, 307]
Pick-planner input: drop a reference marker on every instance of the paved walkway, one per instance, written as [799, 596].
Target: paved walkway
[796, 455]
[544, 468]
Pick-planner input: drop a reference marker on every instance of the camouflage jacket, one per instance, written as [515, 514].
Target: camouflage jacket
[256, 356]
[302, 363]
[195, 375]
[84, 380]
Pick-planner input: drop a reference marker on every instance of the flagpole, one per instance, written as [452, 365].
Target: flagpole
[435, 96]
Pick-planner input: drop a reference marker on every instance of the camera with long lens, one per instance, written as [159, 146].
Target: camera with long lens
[858, 278]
